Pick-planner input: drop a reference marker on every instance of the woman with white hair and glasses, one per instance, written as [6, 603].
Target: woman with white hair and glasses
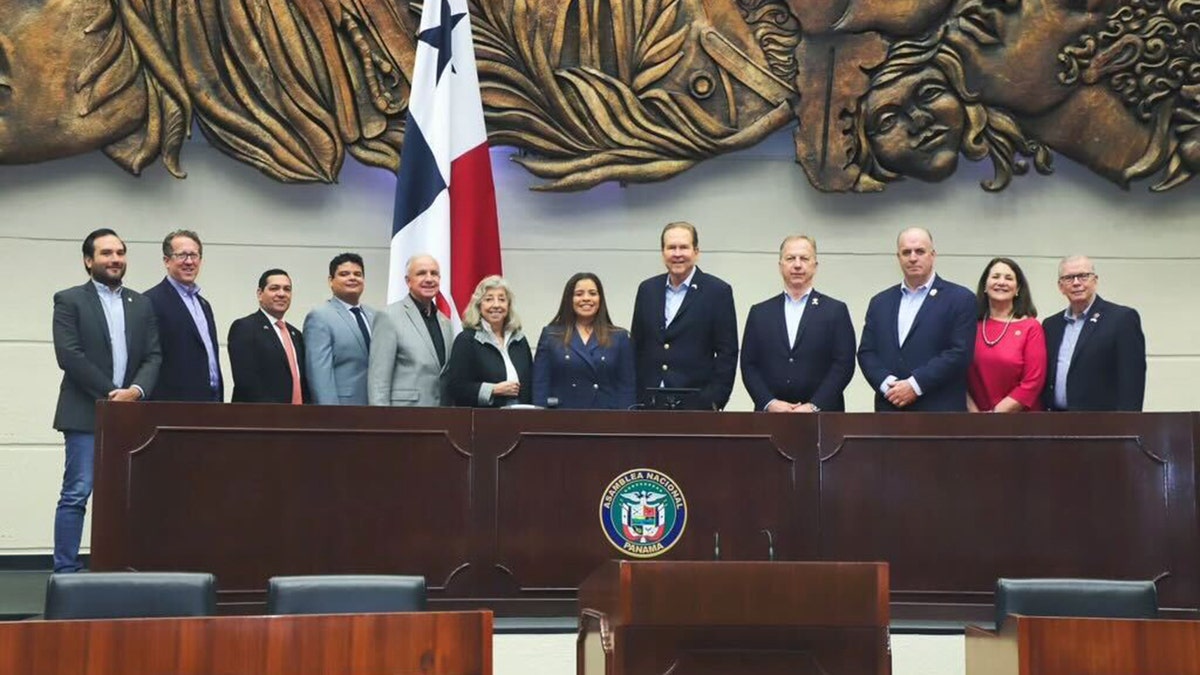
[491, 363]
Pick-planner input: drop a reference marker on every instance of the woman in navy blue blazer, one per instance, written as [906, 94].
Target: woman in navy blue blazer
[583, 361]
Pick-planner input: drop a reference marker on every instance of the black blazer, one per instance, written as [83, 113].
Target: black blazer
[816, 370]
[474, 362]
[184, 373]
[1108, 367]
[700, 347]
[937, 352]
[259, 361]
[83, 348]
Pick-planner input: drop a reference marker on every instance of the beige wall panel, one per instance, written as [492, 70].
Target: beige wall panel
[1145, 245]
[29, 485]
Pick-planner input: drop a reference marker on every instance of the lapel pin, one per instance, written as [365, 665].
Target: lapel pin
[816, 301]
[932, 292]
[1018, 333]
[1096, 317]
[694, 287]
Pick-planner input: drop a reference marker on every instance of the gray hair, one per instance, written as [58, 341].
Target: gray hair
[473, 318]
[408, 264]
[1076, 258]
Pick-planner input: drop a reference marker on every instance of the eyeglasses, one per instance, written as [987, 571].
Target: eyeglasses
[1072, 278]
[187, 255]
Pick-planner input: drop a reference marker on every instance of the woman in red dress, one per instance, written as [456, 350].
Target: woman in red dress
[1009, 368]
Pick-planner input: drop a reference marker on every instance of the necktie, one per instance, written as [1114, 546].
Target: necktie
[297, 396]
[362, 325]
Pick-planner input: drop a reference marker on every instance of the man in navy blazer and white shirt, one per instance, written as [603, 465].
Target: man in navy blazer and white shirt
[684, 326]
[798, 348]
[1096, 348]
[919, 337]
[187, 330]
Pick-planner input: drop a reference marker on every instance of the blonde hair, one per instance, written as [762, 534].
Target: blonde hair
[473, 317]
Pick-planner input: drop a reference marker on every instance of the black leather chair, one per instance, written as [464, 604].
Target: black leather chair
[345, 594]
[120, 595]
[1076, 597]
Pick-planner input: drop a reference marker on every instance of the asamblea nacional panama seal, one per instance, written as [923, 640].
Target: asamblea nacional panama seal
[643, 513]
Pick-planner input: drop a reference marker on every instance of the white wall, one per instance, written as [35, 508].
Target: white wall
[1145, 248]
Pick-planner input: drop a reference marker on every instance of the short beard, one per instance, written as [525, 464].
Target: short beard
[100, 275]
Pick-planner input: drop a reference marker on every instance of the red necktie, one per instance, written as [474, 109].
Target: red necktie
[297, 397]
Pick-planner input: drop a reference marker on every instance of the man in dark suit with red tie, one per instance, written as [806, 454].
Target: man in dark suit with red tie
[798, 348]
[191, 358]
[684, 327]
[265, 351]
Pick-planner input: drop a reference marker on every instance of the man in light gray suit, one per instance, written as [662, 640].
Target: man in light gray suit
[337, 337]
[408, 350]
[106, 342]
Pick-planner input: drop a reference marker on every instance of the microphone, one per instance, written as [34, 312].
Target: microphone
[770, 545]
[716, 545]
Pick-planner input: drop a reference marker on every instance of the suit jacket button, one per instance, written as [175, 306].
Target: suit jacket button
[666, 345]
[568, 357]
[595, 386]
[601, 358]
[664, 366]
[791, 360]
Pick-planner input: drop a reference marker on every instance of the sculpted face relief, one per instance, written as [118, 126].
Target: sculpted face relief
[915, 125]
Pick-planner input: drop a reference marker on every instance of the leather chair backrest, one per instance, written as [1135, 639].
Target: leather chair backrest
[345, 594]
[120, 595]
[1076, 597]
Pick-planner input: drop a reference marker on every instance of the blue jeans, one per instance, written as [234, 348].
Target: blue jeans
[72, 503]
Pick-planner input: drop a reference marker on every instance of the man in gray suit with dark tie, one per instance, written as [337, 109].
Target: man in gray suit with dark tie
[408, 349]
[106, 342]
[337, 337]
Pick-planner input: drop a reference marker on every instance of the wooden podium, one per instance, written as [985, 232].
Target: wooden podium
[1035, 645]
[751, 618]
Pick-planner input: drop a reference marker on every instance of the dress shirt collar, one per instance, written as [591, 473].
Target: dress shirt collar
[687, 283]
[103, 289]
[421, 305]
[787, 297]
[190, 290]
[919, 289]
[345, 304]
[1071, 318]
[270, 319]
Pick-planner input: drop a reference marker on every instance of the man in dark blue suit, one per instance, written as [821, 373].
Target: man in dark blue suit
[919, 337]
[1096, 350]
[798, 348]
[684, 326]
[191, 365]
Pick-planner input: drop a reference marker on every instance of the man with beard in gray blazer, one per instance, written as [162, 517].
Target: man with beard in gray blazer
[337, 337]
[411, 338]
[106, 342]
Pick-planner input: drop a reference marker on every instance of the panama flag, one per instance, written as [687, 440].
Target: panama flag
[445, 198]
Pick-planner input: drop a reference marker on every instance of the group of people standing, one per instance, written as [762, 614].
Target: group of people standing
[927, 344]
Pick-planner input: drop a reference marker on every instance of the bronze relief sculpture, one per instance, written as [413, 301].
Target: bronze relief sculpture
[621, 90]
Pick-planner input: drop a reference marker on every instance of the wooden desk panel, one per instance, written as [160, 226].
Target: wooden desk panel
[1084, 646]
[740, 474]
[432, 643]
[253, 491]
[499, 507]
[953, 502]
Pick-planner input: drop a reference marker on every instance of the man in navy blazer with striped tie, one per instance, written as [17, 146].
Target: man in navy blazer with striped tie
[919, 337]
[798, 348]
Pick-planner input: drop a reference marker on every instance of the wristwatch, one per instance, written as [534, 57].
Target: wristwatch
[815, 407]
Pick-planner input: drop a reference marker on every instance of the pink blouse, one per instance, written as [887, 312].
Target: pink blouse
[1015, 365]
